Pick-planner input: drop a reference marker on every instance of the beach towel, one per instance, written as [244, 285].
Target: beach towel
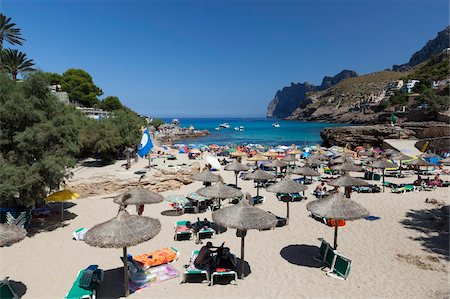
[153, 276]
[372, 218]
[156, 258]
[182, 228]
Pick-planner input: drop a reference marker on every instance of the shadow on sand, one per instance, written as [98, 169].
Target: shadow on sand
[112, 285]
[434, 225]
[301, 255]
[53, 221]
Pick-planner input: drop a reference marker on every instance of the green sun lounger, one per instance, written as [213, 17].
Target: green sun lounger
[323, 250]
[231, 273]
[182, 235]
[193, 271]
[341, 267]
[404, 189]
[78, 292]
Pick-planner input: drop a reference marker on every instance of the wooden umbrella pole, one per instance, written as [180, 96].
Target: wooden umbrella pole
[335, 233]
[242, 256]
[383, 178]
[236, 173]
[62, 212]
[125, 272]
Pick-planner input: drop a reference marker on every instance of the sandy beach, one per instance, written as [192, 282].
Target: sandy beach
[401, 255]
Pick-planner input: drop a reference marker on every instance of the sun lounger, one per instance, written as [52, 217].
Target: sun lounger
[79, 233]
[404, 189]
[6, 291]
[182, 232]
[257, 200]
[193, 271]
[323, 250]
[341, 267]
[78, 292]
[205, 233]
[225, 273]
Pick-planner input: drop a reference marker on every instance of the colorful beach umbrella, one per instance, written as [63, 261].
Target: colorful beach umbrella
[61, 197]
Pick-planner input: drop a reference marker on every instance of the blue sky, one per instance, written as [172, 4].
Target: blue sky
[219, 58]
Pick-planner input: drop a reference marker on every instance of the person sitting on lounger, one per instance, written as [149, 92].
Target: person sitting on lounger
[418, 182]
[225, 260]
[321, 189]
[204, 259]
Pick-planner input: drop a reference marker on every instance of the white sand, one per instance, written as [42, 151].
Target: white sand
[280, 259]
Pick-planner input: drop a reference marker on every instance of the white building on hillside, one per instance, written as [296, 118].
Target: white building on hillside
[409, 86]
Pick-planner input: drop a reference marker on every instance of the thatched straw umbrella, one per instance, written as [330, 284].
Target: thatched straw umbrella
[238, 154]
[346, 167]
[10, 234]
[270, 154]
[383, 164]
[289, 159]
[295, 152]
[257, 176]
[337, 207]
[417, 163]
[287, 185]
[244, 217]
[338, 160]
[305, 171]
[347, 181]
[276, 164]
[205, 176]
[123, 231]
[400, 157]
[236, 167]
[314, 161]
[257, 158]
[138, 196]
[219, 191]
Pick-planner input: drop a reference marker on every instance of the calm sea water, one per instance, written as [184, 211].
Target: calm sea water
[257, 130]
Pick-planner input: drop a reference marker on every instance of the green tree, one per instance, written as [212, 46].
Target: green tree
[53, 78]
[80, 87]
[16, 62]
[9, 32]
[156, 123]
[111, 103]
[38, 140]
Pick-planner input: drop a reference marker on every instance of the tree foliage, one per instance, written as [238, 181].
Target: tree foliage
[111, 103]
[156, 122]
[9, 32]
[80, 87]
[15, 62]
[39, 138]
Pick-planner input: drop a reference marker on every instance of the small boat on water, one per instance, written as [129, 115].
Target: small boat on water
[276, 125]
[217, 129]
[224, 126]
[240, 128]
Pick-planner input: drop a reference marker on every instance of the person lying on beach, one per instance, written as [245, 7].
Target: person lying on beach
[224, 260]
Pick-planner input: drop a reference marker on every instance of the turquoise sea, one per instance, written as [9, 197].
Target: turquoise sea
[256, 130]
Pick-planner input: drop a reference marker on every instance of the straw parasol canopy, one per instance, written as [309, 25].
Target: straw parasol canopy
[236, 167]
[276, 163]
[383, 164]
[123, 231]
[338, 160]
[259, 175]
[337, 207]
[347, 181]
[295, 152]
[205, 176]
[244, 217]
[270, 154]
[287, 185]
[306, 171]
[257, 158]
[417, 163]
[314, 161]
[10, 234]
[289, 158]
[219, 191]
[400, 157]
[238, 154]
[138, 196]
[347, 166]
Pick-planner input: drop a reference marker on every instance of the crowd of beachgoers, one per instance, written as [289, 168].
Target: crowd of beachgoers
[398, 248]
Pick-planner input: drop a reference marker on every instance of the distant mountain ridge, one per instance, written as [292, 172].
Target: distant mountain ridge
[291, 97]
[431, 48]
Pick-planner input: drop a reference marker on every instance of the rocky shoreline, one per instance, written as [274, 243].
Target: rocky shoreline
[373, 135]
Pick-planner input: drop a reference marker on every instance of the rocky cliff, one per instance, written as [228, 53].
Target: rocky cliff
[291, 97]
[432, 48]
